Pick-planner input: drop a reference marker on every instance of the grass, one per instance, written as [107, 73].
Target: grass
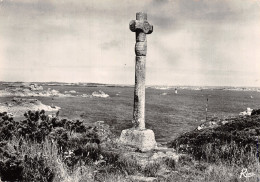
[42, 162]
[40, 148]
[228, 152]
[236, 138]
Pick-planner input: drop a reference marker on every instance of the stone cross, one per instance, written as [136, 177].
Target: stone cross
[138, 136]
[141, 27]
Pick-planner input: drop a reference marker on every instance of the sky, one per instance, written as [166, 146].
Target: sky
[194, 42]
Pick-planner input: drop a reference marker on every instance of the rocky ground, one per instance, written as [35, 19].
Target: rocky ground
[34, 90]
[18, 106]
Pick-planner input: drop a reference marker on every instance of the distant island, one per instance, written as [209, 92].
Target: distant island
[161, 87]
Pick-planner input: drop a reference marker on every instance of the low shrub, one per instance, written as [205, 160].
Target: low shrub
[234, 141]
[74, 144]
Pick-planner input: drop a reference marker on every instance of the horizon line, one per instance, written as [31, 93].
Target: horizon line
[119, 84]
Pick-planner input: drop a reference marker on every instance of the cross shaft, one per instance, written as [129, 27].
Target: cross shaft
[141, 27]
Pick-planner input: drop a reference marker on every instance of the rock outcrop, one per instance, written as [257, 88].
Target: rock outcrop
[18, 106]
[247, 112]
[25, 92]
[100, 93]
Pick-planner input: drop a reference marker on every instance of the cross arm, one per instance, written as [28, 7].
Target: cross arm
[143, 26]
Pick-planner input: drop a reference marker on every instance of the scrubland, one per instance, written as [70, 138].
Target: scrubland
[43, 148]
[73, 146]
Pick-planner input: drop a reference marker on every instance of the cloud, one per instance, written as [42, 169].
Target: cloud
[194, 41]
[26, 8]
[171, 15]
[110, 44]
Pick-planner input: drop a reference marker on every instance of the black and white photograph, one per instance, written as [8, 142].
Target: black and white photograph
[129, 90]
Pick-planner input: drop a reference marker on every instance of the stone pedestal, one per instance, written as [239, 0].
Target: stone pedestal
[144, 140]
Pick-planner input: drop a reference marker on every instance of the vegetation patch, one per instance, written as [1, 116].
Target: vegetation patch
[27, 146]
[50, 148]
[231, 140]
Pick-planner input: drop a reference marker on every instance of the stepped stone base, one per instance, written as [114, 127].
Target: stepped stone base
[144, 140]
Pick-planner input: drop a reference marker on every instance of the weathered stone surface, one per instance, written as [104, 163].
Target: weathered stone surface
[142, 179]
[140, 48]
[140, 37]
[139, 93]
[139, 137]
[160, 155]
[132, 25]
[141, 16]
[141, 27]
[142, 139]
